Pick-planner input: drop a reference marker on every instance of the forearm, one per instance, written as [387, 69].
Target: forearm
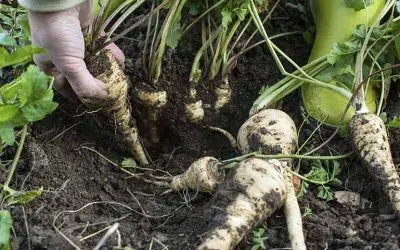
[49, 5]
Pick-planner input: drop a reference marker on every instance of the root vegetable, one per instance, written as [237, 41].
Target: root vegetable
[257, 187]
[194, 111]
[370, 141]
[116, 107]
[255, 190]
[223, 92]
[154, 101]
[270, 131]
[203, 175]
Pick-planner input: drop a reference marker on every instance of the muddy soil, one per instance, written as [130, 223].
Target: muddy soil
[72, 153]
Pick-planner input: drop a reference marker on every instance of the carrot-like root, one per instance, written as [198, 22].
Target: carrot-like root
[105, 68]
[370, 141]
[194, 111]
[223, 93]
[154, 102]
[253, 192]
[257, 187]
[272, 131]
[203, 175]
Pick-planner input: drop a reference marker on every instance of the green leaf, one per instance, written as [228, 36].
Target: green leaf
[3, 56]
[226, 18]
[342, 54]
[37, 110]
[129, 163]
[6, 40]
[5, 229]
[325, 193]
[7, 134]
[336, 168]
[358, 5]
[22, 198]
[22, 55]
[174, 35]
[8, 112]
[394, 123]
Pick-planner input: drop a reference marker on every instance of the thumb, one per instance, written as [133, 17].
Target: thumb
[82, 82]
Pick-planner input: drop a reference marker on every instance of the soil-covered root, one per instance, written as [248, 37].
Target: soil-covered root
[223, 94]
[203, 175]
[253, 192]
[116, 106]
[154, 102]
[194, 111]
[370, 141]
[293, 216]
[270, 131]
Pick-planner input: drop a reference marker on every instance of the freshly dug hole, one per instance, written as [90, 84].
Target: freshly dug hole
[105, 68]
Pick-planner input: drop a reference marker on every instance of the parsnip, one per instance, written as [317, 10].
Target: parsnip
[370, 141]
[116, 105]
[253, 192]
[203, 175]
[154, 101]
[257, 187]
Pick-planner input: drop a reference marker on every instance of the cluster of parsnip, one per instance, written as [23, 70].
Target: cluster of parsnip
[254, 188]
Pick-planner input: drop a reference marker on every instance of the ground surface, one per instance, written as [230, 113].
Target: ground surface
[59, 156]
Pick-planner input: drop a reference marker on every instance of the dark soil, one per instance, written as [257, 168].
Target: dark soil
[59, 156]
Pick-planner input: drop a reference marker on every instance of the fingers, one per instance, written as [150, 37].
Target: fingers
[82, 82]
[62, 86]
[117, 53]
[60, 33]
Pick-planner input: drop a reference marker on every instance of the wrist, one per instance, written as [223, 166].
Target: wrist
[49, 5]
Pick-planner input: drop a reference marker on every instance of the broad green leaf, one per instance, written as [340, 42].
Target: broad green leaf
[5, 229]
[7, 134]
[37, 110]
[3, 56]
[358, 5]
[20, 197]
[22, 55]
[6, 40]
[36, 83]
[342, 54]
[8, 111]
[395, 123]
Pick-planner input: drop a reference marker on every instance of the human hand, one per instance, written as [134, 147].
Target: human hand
[60, 33]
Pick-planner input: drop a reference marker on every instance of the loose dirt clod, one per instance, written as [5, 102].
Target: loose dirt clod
[116, 105]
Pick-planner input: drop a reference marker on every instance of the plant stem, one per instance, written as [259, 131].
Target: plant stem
[15, 161]
[306, 179]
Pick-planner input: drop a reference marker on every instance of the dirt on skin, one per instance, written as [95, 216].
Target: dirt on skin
[59, 156]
